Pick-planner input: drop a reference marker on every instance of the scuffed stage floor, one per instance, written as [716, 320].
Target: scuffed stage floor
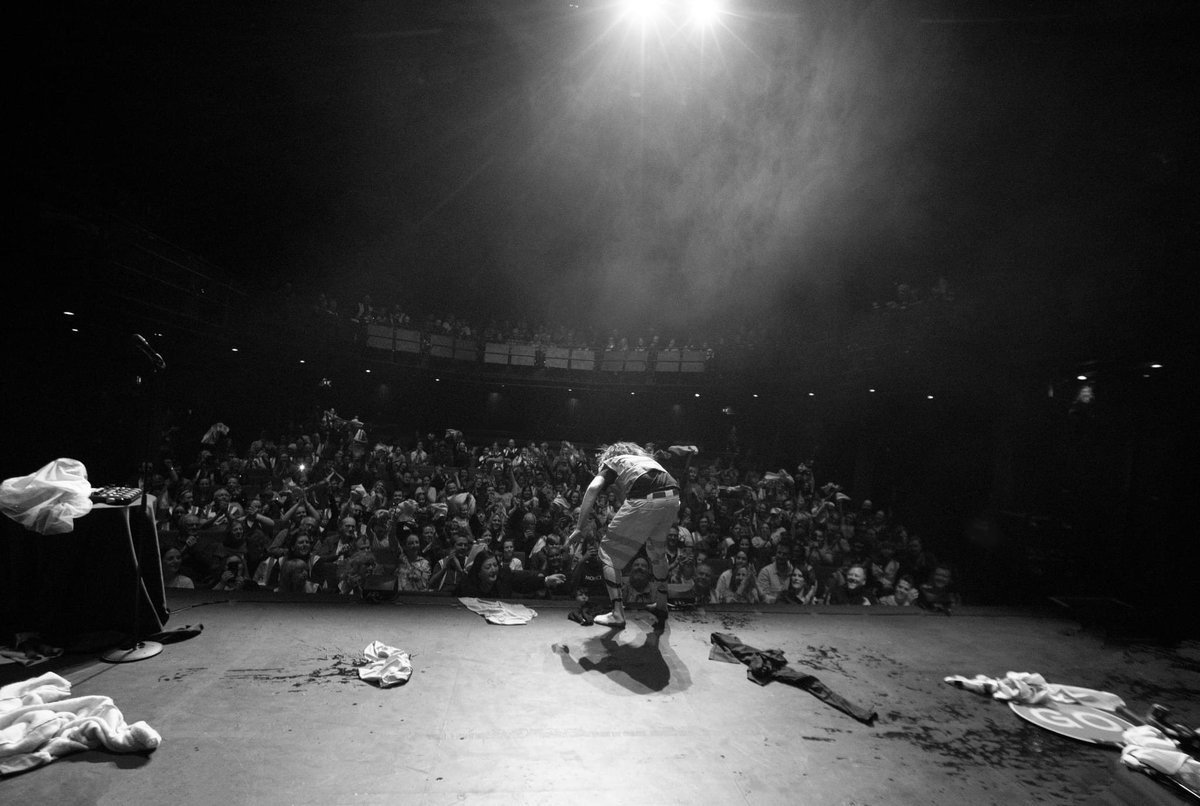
[265, 706]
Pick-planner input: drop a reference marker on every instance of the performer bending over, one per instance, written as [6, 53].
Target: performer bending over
[649, 498]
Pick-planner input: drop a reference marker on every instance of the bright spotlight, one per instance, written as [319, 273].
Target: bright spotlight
[642, 10]
[705, 12]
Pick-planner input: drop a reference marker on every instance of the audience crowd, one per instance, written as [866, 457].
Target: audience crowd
[327, 512]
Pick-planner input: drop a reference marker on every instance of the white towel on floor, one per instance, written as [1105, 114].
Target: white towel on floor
[386, 665]
[499, 612]
[1030, 688]
[40, 722]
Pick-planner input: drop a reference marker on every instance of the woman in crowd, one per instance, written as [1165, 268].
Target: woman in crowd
[172, 559]
[412, 570]
[490, 579]
[741, 587]
[800, 590]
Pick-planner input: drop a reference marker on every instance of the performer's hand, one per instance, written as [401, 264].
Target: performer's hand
[554, 580]
[573, 538]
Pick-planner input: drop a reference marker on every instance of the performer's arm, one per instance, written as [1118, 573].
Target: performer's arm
[585, 508]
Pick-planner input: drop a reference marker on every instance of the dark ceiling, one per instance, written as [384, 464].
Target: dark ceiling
[548, 159]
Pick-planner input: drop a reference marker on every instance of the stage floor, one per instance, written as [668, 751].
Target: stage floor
[265, 707]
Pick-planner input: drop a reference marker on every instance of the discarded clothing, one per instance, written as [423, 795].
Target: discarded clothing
[41, 722]
[1149, 750]
[29, 650]
[386, 665]
[48, 500]
[586, 613]
[1030, 688]
[770, 664]
[499, 612]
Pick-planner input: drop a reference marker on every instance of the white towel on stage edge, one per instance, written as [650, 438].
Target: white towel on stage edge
[40, 721]
[386, 665]
[499, 612]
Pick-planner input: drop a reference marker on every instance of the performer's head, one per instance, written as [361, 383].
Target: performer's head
[621, 449]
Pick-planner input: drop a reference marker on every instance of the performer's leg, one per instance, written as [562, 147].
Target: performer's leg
[614, 584]
[656, 552]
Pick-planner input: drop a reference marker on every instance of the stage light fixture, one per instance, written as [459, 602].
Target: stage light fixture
[1081, 377]
[233, 349]
[1156, 366]
[68, 313]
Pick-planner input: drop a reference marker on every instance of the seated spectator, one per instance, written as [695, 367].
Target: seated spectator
[800, 589]
[381, 537]
[413, 570]
[916, 560]
[342, 543]
[295, 577]
[197, 556]
[172, 558]
[185, 504]
[904, 594]
[853, 590]
[354, 571]
[702, 584]
[773, 578]
[221, 510]
[587, 578]
[884, 567]
[508, 555]
[235, 576]
[452, 569]
[681, 582]
[282, 543]
[639, 585]
[741, 587]
[490, 580]
[939, 593]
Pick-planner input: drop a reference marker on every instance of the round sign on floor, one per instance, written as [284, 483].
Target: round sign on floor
[1076, 721]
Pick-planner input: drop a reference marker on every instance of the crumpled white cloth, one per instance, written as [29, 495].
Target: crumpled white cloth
[1148, 749]
[49, 500]
[40, 721]
[499, 612]
[1031, 688]
[386, 665]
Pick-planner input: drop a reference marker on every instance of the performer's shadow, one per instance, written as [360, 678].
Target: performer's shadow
[640, 660]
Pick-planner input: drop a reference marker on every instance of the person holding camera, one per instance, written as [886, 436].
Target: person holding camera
[235, 576]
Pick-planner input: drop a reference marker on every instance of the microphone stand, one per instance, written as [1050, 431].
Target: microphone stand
[137, 650]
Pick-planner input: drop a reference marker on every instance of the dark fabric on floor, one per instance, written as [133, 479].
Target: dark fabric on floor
[766, 665]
